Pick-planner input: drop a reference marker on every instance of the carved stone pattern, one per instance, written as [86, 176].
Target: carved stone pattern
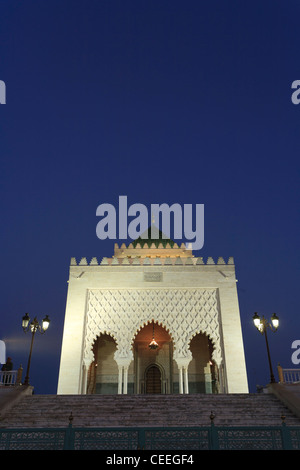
[121, 313]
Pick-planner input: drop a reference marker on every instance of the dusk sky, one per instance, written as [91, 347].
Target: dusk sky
[164, 102]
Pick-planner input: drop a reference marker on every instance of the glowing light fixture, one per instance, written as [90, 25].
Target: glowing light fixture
[153, 344]
[275, 321]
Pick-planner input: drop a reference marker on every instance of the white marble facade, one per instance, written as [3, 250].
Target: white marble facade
[160, 283]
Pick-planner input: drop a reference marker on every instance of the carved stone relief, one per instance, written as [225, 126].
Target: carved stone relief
[121, 313]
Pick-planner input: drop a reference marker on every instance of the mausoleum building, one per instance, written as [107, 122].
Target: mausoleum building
[153, 318]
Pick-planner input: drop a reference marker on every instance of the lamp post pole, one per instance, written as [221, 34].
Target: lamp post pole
[26, 381]
[262, 325]
[34, 326]
[269, 359]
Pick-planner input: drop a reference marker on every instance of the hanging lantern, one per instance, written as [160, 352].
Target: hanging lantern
[153, 344]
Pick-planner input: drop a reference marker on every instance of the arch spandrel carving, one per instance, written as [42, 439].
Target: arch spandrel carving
[121, 313]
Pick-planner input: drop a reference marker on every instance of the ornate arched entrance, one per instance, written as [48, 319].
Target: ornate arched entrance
[202, 369]
[103, 372]
[153, 368]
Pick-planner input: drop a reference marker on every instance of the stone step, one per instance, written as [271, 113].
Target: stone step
[147, 410]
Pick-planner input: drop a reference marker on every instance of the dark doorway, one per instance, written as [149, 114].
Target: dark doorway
[153, 380]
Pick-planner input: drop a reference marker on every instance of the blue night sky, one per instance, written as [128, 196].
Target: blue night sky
[163, 101]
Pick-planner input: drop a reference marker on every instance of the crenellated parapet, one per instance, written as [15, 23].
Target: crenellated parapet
[152, 261]
[153, 249]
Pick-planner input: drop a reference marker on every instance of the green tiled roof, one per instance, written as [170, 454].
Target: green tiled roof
[160, 238]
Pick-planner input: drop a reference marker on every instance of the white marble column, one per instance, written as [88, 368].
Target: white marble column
[125, 380]
[186, 380]
[120, 379]
[123, 366]
[180, 380]
[183, 364]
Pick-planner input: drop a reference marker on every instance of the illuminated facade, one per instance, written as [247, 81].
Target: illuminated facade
[152, 289]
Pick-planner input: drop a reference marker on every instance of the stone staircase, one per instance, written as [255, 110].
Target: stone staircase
[146, 411]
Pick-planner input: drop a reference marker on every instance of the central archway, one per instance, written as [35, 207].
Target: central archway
[153, 367]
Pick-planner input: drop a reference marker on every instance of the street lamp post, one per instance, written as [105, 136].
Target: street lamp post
[34, 326]
[262, 325]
